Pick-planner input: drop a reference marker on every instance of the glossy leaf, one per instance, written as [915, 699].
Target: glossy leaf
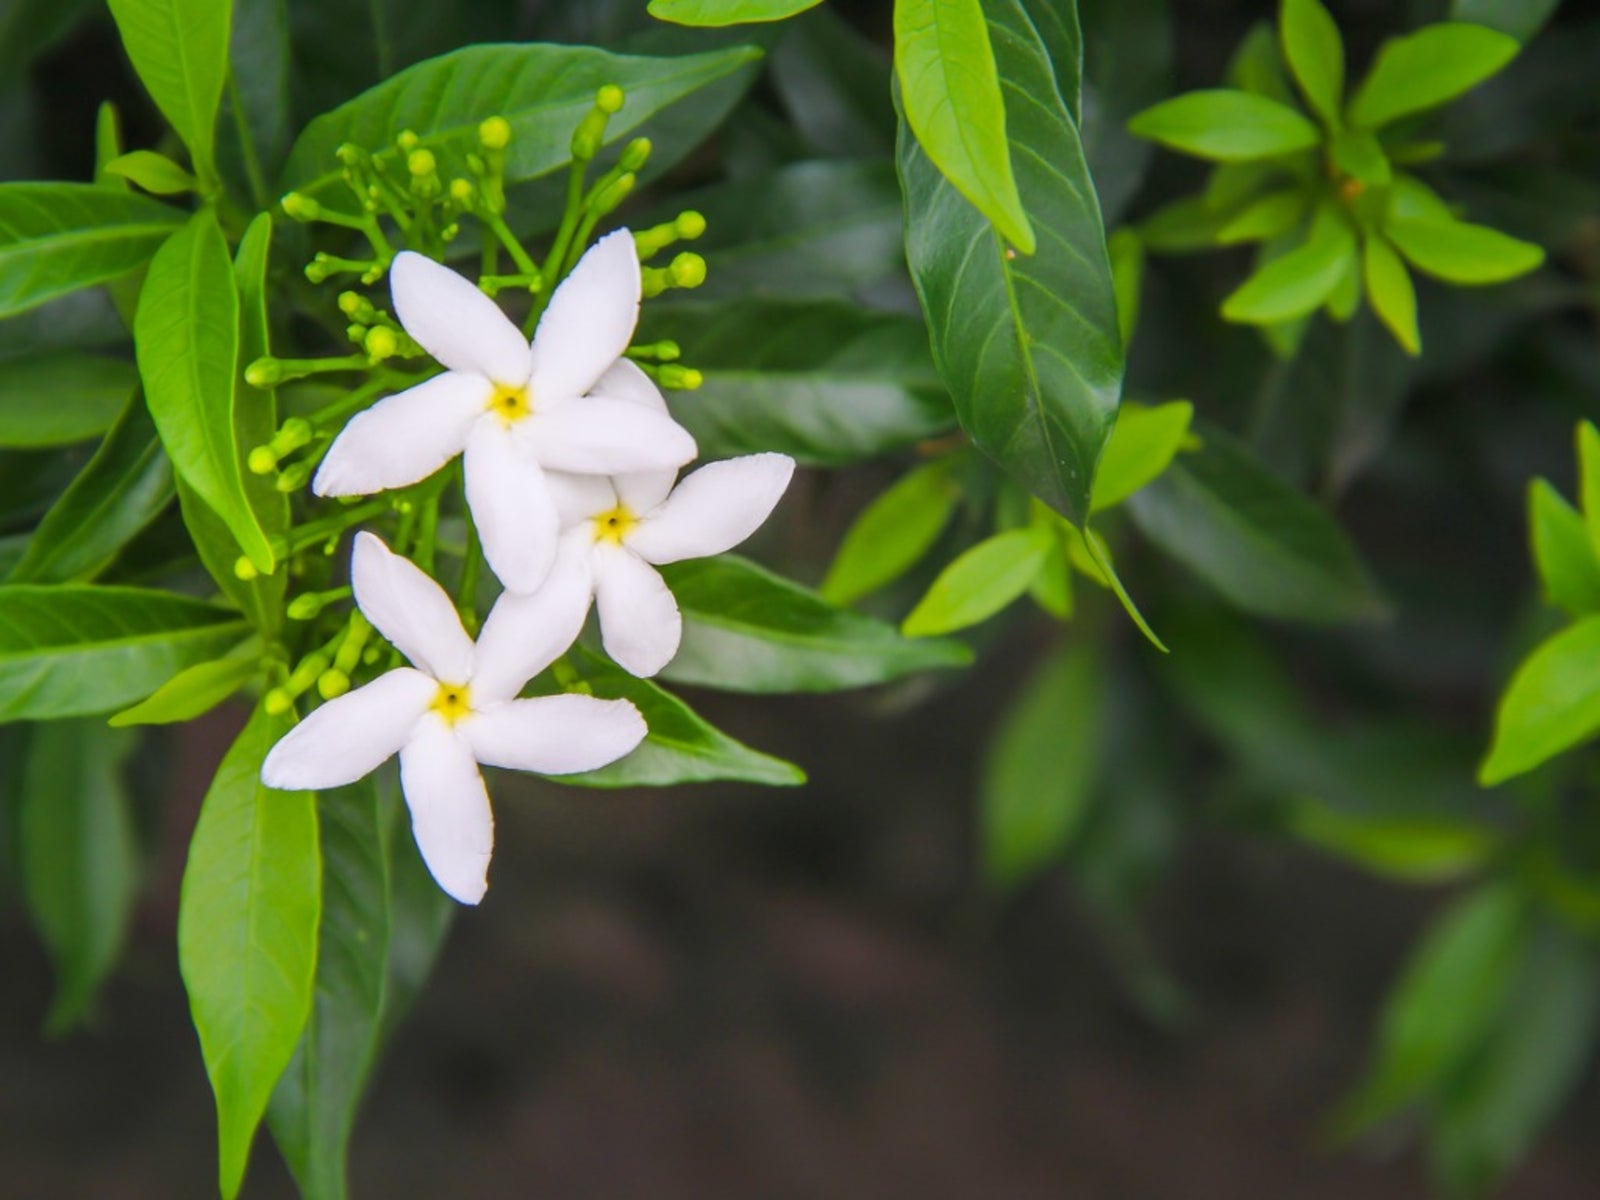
[56, 238]
[1266, 547]
[1127, 64]
[73, 650]
[1424, 69]
[747, 630]
[79, 856]
[247, 936]
[1562, 551]
[980, 582]
[1142, 446]
[1028, 346]
[727, 12]
[681, 747]
[1552, 704]
[63, 397]
[180, 50]
[830, 79]
[1389, 291]
[1315, 53]
[195, 690]
[153, 172]
[950, 93]
[824, 382]
[124, 487]
[543, 91]
[1226, 126]
[256, 127]
[1459, 252]
[187, 334]
[892, 534]
[1040, 771]
[1296, 283]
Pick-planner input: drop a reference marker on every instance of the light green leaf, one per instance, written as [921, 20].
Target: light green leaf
[1552, 704]
[79, 856]
[1029, 347]
[74, 650]
[1315, 53]
[717, 13]
[56, 238]
[980, 582]
[197, 689]
[1270, 216]
[1125, 250]
[1040, 771]
[1226, 126]
[1424, 69]
[1360, 155]
[1390, 293]
[893, 533]
[747, 630]
[1459, 252]
[247, 936]
[180, 50]
[1562, 551]
[825, 382]
[1588, 439]
[1296, 283]
[187, 335]
[1091, 554]
[1142, 446]
[1412, 849]
[1051, 588]
[153, 172]
[951, 96]
[61, 397]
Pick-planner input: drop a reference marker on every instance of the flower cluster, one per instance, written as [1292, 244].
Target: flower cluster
[570, 460]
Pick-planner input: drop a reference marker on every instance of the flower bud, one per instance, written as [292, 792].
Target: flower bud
[494, 133]
[357, 333]
[690, 225]
[244, 569]
[688, 270]
[683, 379]
[461, 191]
[407, 141]
[265, 372]
[307, 607]
[331, 684]
[381, 343]
[635, 154]
[350, 155]
[609, 99]
[299, 207]
[351, 304]
[291, 435]
[277, 702]
[293, 478]
[262, 461]
[614, 193]
[421, 163]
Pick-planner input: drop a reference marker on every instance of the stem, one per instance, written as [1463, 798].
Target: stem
[380, 38]
[471, 571]
[558, 248]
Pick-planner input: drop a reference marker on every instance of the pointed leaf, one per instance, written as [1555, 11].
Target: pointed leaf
[1142, 446]
[62, 397]
[1552, 704]
[1296, 283]
[1315, 53]
[1460, 252]
[195, 690]
[1424, 69]
[180, 50]
[980, 582]
[716, 13]
[892, 533]
[1562, 551]
[1226, 126]
[1390, 293]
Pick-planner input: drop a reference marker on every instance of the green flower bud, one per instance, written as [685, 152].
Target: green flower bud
[494, 133]
[668, 351]
[317, 270]
[688, 270]
[350, 155]
[300, 208]
[244, 569]
[277, 702]
[690, 225]
[381, 343]
[293, 478]
[615, 192]
[421, 163]
[265, 372]
[609, 99]
[461, 191]
[292, 434]
[684, 379]
[356, 333]
[635, 154]
[331, 684]
[407, 141]
[262, 461]
[306, 607]
[351, 304]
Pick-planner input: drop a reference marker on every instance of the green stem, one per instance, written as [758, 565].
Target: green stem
[471, 572]
[558, 248]
[247, 146]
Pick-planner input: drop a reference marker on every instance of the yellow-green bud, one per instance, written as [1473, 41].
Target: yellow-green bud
[350, 304]
[292, 434]
[350, 155]
[277, 702]
[461, 191]
[357, 333]
[684, 379]
[293, 477]
[331, 684]
[494, 133]
[306, 607]
[609, 99]
[300, 208]
[688, 270]
[317, 270]
[615, 192]
[690, 224]
[407, 141]
[244, 569]
[264, 372]
[635, 154]
[262, 461]
[381, 343]
[421, 163]
[668, 351]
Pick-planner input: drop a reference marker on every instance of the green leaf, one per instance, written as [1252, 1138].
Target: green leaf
[1295, 284]
[1315, 53]
[1264, 546]
[1459, 252]
[950, 94]
[1142, 446]
[1040, 771]
[1359, 154]
[180, 50]
[153, 172]
[80, 856]
[1127, 65]
[73, 650]
[1562, 551]
[1029, 347]
[830, 79]
[681, 747]
[1226, 126]
[1588, 439]
[1125, 250]
[1270, 216]
[543, 91]
[1390, 293]
[1412, 849]
[1552, 704]
[196, 690]
[1257, 67]
[124, 487]
[717, 13]
[1519, 18]
[1424, 69]
[892, 534]
[980, 582]
[62, 397]
[256, 128]
[824, 382]
[1091, 554]
[187, 334]
[247, 936]
[747, 630]
[56, 238]
[383, 922]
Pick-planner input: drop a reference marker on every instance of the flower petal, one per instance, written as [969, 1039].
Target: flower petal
[525, 633]
[450, 815]
[351, 736]
[713, 509]
[555, 735]
[626, 380]
[511, 506]
[403, 438]
[639, 619]
[455, 322]
[589, 321]
[594, 436]
[410, 609]
[579, 497]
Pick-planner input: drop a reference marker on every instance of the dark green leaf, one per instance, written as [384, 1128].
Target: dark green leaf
[63, 397]
[981, 581]
[1413, 849]
[79, 856]
[892, 533]
[254, 133]
[1226, 126]
[1127, 62]
[1315, 53]
[1519, 18]
[197, 689]
[1424, 69]
[1028, 346]
[74, 650]
[180, 50]
[830, 79]
[1459, 252]
[247, 936]
[56, 238]
[824, 382]
[1552, 704]
[727, 12]
[1562, 551]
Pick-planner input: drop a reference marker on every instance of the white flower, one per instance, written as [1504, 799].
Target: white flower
[512, 409]
[456, 709]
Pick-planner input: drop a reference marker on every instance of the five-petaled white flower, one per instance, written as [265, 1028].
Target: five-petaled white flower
[513, 410]
[457, 708]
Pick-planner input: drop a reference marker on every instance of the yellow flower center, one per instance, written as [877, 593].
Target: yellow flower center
[453, 702]
[510, 404]
[613, 525]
